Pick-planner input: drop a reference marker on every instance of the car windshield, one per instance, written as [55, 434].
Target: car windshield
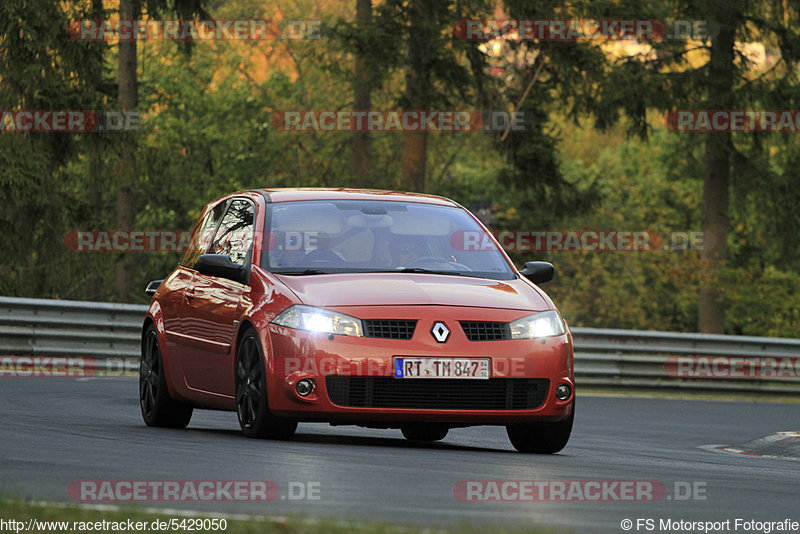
[323, 237]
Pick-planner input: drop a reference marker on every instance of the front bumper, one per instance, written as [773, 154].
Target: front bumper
[354, 381]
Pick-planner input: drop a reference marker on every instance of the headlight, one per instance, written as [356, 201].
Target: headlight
[545, 324]
[318, 320]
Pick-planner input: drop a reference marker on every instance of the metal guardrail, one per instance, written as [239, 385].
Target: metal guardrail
[604, 359]
[643, 359]
[40, 327]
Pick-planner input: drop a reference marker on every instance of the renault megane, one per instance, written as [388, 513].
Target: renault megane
[372, 308]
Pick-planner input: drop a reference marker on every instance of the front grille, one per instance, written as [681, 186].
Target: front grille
[390, 328]
[486, 330]
[437, 393]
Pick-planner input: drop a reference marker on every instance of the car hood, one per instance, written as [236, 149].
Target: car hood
[401, 289]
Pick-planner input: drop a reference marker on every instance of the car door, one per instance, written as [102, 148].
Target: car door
[173, 300]
[213, 305]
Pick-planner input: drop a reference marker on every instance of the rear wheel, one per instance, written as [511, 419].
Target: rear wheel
[541, 438]
[158, 408]
[424, 432]
[252, 407]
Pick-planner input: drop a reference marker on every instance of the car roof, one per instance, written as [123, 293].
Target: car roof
[341, 193]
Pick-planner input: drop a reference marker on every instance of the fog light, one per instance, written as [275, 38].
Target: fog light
[304, 387]
[563, 392]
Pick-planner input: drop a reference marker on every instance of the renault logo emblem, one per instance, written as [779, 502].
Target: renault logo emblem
[440, 332]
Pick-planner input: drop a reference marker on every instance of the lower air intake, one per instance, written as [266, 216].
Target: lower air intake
[437, 393]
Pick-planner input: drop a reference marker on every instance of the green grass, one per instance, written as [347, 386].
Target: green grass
[19, 510]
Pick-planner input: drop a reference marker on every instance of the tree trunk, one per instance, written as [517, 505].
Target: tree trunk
[415, 151]
[124, 280]
[418, 92]
[94, 289]
[362, 100]
[711, 309]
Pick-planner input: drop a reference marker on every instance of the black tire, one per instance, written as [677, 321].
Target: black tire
[424, 432]
[158, 408]
[252, 407]
[541, 438]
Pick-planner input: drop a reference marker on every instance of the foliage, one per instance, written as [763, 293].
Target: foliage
[206, 130]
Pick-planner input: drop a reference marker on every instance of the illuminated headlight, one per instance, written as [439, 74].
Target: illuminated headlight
[318, 320]
[545, 324]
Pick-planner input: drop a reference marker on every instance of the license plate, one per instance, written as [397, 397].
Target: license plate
[441, 368]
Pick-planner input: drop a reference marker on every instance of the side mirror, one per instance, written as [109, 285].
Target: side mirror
[152, 287]
[222, 266]
[538, 272]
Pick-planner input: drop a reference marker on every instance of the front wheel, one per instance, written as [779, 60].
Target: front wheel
[252, 407]
[158, 408]
[541, 438]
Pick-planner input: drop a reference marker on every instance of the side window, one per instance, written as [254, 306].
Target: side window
[202, 238]
[235, 234]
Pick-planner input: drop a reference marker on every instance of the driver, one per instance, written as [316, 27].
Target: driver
[285, 249]
[407, 248]
[319, 252]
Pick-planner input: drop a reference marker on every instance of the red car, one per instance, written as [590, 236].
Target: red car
[373, 308]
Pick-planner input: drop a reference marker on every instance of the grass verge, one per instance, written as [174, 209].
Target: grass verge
[47, 517]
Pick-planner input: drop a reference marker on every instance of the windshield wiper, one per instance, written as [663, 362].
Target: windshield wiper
[304, 272]
[426, 271]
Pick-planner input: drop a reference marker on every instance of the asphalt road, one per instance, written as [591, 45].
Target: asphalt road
[54, 431]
